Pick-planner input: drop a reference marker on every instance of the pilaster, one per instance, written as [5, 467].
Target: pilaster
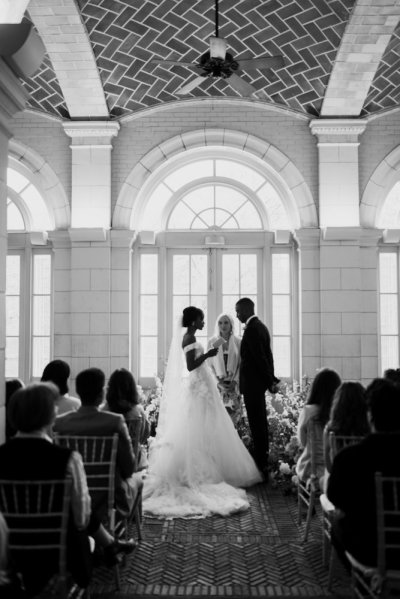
[338, 141]
[91, 174]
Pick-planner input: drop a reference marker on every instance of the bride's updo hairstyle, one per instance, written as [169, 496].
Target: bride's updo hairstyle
[190, 314]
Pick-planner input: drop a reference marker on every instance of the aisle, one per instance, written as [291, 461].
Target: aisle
[253, 554]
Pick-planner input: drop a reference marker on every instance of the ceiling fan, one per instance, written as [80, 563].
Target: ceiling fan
[217, 62]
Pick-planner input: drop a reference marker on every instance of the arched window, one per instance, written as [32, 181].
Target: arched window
[28, 277]
[214, 216]
[214, 194]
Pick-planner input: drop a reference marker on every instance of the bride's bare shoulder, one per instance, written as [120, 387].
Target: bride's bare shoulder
[188, 338]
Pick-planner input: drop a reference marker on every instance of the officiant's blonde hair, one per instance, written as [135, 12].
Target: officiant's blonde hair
[231, 320]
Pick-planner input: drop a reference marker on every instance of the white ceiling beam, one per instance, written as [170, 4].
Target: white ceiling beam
[364, 42]
[66, 40]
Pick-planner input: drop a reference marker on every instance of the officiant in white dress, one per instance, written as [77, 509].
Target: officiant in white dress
[225, 365]
[197, 464]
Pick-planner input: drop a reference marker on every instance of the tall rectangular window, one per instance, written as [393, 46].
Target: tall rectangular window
[13, 312]
[190, 286]
[148, 315]
[239, 279]
[281, 314]
[388, 310]
[41, 312]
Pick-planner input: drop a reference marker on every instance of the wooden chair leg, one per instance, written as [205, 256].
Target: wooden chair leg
[117, 577]
[299, 508]
[308, 518]
[332, 559]
[326, 546]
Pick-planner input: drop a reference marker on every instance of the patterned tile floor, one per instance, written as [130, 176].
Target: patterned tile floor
[256, 553]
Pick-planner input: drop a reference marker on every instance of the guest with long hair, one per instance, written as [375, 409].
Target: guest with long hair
[348, 416]
[316, 412]
[122, 398]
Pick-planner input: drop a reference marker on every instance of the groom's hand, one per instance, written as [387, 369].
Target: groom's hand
[274, 388]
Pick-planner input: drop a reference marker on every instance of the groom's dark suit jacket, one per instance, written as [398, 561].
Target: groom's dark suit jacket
[257, 364]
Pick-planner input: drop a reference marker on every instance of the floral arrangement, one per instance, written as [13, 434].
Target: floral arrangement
[151, 403]
[283, 413]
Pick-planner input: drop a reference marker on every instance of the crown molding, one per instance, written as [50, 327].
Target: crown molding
[338, 130]
[84, 131]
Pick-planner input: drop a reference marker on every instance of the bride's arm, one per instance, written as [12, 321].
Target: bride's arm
[192, 362]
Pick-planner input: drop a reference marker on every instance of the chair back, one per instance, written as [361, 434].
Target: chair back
[37, 513]
[99, 455]
[135, 426]
[388, 523]
[338, 442]
[314, 439]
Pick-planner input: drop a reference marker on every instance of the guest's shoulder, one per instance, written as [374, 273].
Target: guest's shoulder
[112, 417]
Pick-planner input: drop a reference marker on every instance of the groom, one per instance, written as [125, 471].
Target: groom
[256, 375]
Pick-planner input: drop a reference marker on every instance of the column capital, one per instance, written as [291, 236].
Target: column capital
[91, 133]
[351, 236]
[307, 237]
[338, 131]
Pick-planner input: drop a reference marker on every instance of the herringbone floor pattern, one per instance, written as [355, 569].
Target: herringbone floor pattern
[255, 553]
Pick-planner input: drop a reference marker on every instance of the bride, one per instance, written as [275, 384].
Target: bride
[197, 460]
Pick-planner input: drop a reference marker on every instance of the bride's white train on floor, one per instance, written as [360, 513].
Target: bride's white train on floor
[198, 463]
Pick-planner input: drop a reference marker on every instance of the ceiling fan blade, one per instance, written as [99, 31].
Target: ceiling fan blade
[217, 47]
[241, 86]
[264, 62]
[169, 63]
[185, 89]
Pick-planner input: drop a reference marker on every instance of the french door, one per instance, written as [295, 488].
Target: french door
[168, 279]
[212, 279]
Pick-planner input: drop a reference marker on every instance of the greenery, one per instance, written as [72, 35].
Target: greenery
[283, 414]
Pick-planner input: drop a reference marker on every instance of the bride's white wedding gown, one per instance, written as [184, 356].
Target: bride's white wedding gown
[198, 463]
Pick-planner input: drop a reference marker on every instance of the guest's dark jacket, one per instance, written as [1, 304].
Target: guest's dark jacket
[351, 488]
[257, 364]
[35, 458]
[89, 420]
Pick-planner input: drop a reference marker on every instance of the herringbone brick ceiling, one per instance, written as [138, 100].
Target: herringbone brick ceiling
[126, 35]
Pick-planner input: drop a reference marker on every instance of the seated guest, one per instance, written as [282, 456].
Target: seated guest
[12, 385]
[351, 486]
[316, 412]
[90, 420]
[31, 455]
[122, 398]
[348, 416]
[57, 372]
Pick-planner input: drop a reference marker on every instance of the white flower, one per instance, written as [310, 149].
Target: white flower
[284, 468]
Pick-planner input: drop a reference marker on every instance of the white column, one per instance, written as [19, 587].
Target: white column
[12, 100]
[91, 176]
[338, 171]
